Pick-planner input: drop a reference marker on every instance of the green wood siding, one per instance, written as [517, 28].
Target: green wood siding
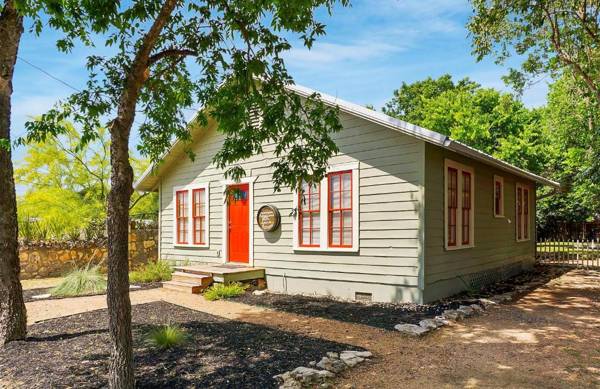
[495, 238]
[390, 216]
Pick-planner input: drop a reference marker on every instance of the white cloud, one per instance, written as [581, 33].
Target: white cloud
[323, 53]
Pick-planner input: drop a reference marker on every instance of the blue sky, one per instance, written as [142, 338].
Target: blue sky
[369, 50]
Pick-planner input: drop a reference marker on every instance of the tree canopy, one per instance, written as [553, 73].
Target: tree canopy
[571, 121]
[484, 118]
[559, 140]
[225, 55]
[66, 187]
[554, 36]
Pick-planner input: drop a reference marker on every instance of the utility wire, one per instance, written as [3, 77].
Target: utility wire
[48, 74]
[136, 135]
[64, 82]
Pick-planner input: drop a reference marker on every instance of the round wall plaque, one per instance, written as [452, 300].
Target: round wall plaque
[268, 218]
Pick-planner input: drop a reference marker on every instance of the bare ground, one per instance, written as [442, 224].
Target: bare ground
[548, 338]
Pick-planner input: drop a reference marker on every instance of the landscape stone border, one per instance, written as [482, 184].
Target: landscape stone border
[320, 373]
[463, 311]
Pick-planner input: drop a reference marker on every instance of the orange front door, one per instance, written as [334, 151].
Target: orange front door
[238, 219]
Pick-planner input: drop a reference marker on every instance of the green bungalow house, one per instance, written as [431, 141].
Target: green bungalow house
[405, 214]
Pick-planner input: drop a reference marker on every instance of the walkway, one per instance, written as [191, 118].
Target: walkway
[49, 309]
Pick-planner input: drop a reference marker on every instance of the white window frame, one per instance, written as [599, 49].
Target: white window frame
[189, 189]
[522, 186]
[324, 213]
[499, 179]
[460, 169]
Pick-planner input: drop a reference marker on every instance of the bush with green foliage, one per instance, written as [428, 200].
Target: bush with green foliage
[166, 337]
[224, 291]
[66, 188]
[153, 271]
[83, 281]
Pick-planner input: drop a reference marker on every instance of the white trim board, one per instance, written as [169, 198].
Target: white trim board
[324, 213]
[225, 212]
[190, 188]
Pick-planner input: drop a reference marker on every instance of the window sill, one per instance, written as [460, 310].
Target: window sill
[523, 240]
[190, 246]
[499, 216]
[326, 249]
[454, 248]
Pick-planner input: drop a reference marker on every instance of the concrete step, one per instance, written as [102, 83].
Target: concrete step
[202, 279]
[186, 287]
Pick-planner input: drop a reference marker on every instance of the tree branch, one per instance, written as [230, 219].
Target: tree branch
[583, 18]
[170, 53]
[565, 58]
[137, 200]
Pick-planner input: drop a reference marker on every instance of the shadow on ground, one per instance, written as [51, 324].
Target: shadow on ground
[73, 352]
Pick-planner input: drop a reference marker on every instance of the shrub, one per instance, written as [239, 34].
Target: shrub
[152, 272]
[224, 291]
[86, 280]
[166, 337]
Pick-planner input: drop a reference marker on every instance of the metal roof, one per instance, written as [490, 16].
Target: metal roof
[149, 179]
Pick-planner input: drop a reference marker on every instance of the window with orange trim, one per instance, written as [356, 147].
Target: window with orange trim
[309, 209]
[182, 216]
[522, 212]
[498, 196]
[466, 208]
[519, 213]
[459, 205]
[452, 204]
[198, 216]
[525, 213]
[340, 209]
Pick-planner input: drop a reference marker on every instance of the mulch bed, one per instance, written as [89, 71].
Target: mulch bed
[378, 315]
[29, 293]
[386, 316]
[73, 352]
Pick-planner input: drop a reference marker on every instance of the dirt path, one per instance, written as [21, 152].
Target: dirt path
[549, 338]
[50, 309]
[41, 283]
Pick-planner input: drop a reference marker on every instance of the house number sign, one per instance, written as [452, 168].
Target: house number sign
[268, 218]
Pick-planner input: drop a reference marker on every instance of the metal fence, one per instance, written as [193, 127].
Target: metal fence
[569, 252]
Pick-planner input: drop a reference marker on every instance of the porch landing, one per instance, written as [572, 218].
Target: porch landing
[225, 273]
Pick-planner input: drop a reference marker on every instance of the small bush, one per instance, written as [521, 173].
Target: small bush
[224, 291]
[152, 272]
[166, 337]
[87, 280]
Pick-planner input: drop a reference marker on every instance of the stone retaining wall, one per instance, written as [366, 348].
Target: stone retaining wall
[54, 259]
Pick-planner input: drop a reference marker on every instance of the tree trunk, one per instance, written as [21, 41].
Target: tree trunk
[119, 306]
[13, 317]
[121, 372]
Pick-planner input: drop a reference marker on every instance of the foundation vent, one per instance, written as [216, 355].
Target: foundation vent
[363, 297]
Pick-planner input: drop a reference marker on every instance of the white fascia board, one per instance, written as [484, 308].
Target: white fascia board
[153, 165]
[374, 116]
[469, 151]
[401, 126]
